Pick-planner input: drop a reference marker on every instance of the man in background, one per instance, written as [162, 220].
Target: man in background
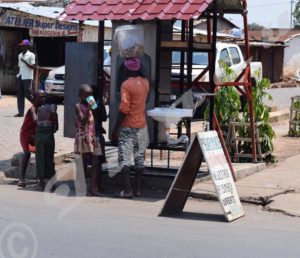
[26, 63]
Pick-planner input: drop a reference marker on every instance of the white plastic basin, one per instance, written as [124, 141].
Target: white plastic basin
[169, 116]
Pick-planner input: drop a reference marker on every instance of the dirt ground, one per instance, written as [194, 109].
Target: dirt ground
[285, 146]
[286, 83]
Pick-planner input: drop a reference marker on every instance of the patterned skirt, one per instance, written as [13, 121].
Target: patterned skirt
[87, 145]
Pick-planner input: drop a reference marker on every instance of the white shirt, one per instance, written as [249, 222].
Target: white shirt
[26, 73]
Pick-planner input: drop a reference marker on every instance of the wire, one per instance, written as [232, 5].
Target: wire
[270, 4]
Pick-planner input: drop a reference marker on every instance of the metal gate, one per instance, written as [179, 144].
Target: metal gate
[81, 67]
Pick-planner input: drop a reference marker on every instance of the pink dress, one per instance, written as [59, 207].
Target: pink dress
[85, 139]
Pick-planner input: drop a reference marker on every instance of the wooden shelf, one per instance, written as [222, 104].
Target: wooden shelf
[174, 44]
[295, 122]
[182, 45]
[243, 155]
[240, 139]
[202, 46]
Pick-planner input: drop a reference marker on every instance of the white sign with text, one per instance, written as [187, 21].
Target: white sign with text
[221, 175]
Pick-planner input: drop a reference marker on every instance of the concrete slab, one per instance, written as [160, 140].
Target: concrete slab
[248, 194]
[13, 171]
[278, 187]
[2, 176]
[287, 204]
[279, 116]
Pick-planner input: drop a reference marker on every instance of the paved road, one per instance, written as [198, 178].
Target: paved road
[282, 97]
[103, 227]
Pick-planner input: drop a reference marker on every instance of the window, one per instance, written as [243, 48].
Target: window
[176, 58]
[235, 55]
[224, 57]
[198, 58]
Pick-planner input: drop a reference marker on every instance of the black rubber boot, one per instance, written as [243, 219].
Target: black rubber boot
[138, 181]
[126, 179]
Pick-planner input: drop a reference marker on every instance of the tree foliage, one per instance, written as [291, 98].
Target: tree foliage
[255, 26]
[296, 15]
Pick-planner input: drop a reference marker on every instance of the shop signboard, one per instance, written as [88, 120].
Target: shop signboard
[38, 26]
[205, 146]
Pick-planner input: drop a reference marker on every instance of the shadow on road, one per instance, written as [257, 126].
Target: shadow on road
[198, 216]
[68, 189]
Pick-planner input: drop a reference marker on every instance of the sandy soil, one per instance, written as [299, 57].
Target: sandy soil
[285, 146]
[287, 83]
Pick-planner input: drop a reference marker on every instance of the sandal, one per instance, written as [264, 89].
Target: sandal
[39, 187]
[95, 194]
[21, 183]
[18, 115]
[124, 195]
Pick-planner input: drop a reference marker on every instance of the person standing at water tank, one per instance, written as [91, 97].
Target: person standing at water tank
[26, 63]
[131, 130]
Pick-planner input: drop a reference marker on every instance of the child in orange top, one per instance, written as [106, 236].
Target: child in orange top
[131, 126]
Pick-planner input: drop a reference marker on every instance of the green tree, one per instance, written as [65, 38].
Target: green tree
[296, 15]
[255, 26]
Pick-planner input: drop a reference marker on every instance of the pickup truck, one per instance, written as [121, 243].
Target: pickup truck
[229, 54]
[55, 82]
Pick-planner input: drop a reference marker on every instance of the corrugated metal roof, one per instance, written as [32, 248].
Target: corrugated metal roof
[44, 11]
[273, 35]
[135, 9]
[205, 33]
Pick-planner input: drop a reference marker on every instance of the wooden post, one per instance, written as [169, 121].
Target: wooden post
[213, 65]
[101, 31]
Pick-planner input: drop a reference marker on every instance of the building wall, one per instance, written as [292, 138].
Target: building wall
[90, 34]
[9, 40]
[271, 59]
[292, 57]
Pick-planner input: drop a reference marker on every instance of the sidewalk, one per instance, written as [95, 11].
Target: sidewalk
[276, 188]
[10, 145]
[10, 130]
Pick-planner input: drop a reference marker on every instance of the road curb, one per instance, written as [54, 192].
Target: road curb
[279, 116]
[239, 173]
[13, 171]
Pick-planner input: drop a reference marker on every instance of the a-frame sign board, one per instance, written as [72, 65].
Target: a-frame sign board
[205, 146]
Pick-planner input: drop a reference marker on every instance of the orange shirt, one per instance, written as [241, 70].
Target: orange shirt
[134, 92]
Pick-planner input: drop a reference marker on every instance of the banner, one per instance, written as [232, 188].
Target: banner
[38, 26]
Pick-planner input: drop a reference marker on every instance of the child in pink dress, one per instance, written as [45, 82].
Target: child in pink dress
[86, 142]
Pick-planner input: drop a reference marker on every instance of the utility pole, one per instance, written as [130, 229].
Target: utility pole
[291, 20]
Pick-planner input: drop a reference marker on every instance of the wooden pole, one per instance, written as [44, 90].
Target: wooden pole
[250, 98]
[213, 65]
[101, 39]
